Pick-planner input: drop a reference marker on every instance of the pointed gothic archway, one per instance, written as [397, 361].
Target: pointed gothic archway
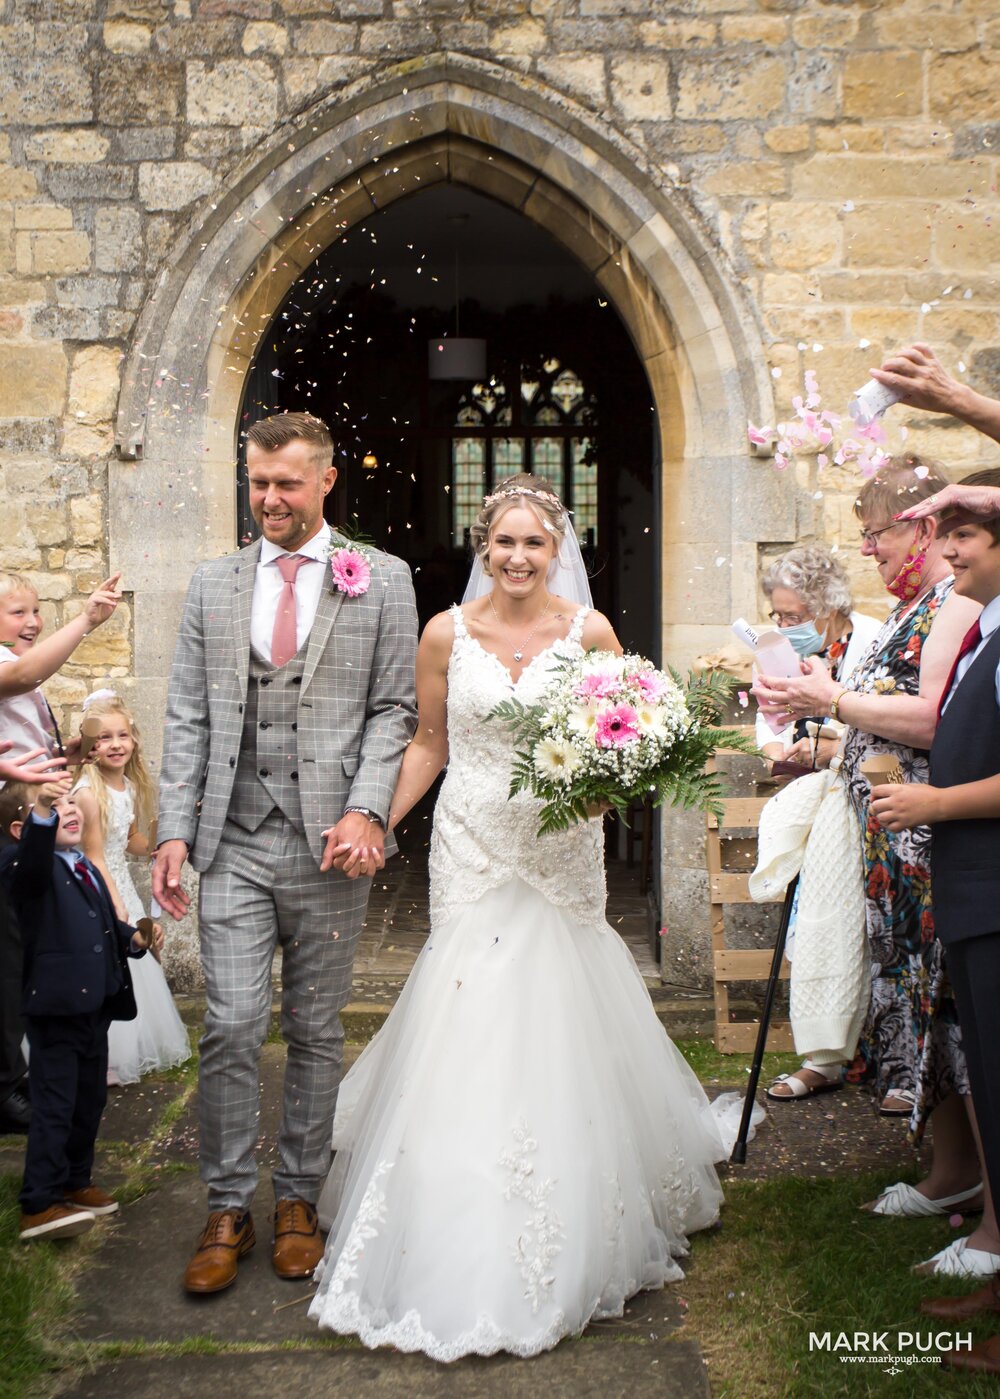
[450, 118]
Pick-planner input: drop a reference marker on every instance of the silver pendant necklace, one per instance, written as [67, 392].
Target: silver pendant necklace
[519, 650]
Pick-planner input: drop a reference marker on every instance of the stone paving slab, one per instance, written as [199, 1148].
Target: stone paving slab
[134, 1110]
[153, 1239]
[581, 1369]
[833, 1134]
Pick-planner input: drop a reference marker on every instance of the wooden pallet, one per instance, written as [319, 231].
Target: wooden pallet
[728, 886]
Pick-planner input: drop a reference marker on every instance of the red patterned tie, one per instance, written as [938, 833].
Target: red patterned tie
[970, 641]
[283, 639]
[84, 875]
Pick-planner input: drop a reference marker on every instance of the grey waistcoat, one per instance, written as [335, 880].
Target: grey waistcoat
[267, 768]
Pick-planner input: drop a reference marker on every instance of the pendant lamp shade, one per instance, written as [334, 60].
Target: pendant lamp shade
[456, 357]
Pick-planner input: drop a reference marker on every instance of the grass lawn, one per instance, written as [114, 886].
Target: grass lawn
[792, 1256]
[795, 1256]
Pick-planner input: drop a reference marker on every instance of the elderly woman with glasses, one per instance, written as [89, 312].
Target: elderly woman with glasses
[810, 598]
[911, 1044]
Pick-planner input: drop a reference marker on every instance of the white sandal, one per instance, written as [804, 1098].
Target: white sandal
[833, 1073]
[901, 1201]
[960, 1261]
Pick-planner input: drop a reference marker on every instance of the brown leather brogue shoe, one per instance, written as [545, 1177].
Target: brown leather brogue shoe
[298, 1244]
[224, 1240]
[984, 1299]
[982, 1359]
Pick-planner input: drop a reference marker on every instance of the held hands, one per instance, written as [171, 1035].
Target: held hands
[167, 889]
[103, 601]
[901, 806]
[354, 846]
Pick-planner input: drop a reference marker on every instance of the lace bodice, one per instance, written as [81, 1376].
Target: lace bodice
[481, 838]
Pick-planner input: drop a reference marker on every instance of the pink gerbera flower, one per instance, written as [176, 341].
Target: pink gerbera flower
[616, 727]
[351, 572]
[599, 684]
[653, 686]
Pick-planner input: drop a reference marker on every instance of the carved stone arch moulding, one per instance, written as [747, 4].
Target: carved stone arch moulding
[442, 118]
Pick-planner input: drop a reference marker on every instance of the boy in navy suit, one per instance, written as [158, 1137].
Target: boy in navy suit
[76, 981]
[962, 807]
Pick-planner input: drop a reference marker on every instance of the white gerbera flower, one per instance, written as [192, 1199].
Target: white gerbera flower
[651, 719]
[582, 719]
[556, 759]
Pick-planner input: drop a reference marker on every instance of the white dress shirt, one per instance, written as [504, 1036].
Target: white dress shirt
[269, 584]
[989, 620]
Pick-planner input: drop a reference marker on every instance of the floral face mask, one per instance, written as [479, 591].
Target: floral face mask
[908, 581]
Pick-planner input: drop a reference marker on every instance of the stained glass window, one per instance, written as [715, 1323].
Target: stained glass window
[508, 457]
[550, 409]
[584, 492]
[468, 484]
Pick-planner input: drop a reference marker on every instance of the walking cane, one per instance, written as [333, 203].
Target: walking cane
[739, 1153]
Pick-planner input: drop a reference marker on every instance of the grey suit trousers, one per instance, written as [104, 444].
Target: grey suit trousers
[261, 890]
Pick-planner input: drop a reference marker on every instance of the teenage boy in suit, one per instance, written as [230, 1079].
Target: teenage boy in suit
[962, 806]
[76, 981]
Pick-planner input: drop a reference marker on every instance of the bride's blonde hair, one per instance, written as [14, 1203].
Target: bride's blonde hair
[100, 706]
[517, 492]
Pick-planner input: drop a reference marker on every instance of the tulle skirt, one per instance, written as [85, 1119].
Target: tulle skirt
[520, 1148]
[156, 1038]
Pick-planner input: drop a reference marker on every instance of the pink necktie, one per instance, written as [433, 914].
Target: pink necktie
[283, 639]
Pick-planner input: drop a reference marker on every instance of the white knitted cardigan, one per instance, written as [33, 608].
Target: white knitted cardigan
[809, 828]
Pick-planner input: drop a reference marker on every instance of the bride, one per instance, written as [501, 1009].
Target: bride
[521, 1147]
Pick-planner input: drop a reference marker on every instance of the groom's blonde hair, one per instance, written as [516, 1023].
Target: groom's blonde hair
[270, 434]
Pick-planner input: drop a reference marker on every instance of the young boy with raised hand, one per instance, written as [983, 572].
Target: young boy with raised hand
[962, 806]
[75, 982]
[28, 732]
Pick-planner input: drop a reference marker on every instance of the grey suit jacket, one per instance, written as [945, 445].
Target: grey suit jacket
[356, 711]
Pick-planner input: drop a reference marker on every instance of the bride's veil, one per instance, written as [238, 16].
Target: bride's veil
[567, 576]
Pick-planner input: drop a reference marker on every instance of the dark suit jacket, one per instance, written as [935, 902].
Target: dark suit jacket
[65, 929]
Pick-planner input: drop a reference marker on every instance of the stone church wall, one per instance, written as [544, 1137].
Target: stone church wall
[842, 157]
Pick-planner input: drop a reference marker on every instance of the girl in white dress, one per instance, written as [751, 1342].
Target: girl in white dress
[521, 1147]
[116, 795]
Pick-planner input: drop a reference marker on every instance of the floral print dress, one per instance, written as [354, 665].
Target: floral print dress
[911, 1040]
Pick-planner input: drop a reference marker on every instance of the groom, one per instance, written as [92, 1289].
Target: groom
[290, 703]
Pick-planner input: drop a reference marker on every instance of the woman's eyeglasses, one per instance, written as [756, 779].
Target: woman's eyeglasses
[788, 619]
[871, 536]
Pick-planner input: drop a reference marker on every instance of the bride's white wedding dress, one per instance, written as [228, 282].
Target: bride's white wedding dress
[521, 1147]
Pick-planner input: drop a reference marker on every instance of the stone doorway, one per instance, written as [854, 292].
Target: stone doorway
[563, 394]
[452, 119]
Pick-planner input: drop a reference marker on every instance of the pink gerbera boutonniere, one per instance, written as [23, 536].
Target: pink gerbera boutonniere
[351, 571]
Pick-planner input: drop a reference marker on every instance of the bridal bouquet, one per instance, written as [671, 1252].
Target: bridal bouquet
[612, 729]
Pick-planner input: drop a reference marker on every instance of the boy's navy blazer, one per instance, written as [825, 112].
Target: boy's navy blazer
[65, 927]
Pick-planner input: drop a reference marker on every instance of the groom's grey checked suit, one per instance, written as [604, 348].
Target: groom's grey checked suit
[257, 763]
